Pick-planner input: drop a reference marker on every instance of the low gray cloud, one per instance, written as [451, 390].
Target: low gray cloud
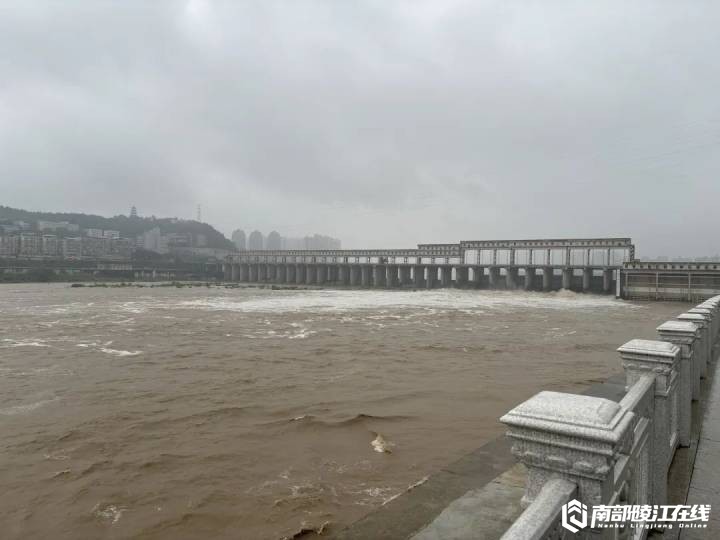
[383, 123]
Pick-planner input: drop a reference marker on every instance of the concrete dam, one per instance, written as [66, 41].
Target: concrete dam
[587, 264]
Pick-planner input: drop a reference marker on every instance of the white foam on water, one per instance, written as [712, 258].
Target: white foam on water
[302, 334]
[110, 512]
[377, 491]
[369, 496]
[348, 300]
[133, 307]
[104, 348]
[23, 409]
[119, 352]
[55, 309]
[409, 488]
[8, 343]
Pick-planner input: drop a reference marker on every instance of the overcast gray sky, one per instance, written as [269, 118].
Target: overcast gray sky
[383, 123]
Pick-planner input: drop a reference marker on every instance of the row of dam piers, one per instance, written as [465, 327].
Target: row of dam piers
[425, 276]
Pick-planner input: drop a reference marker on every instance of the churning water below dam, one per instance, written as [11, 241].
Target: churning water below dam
[164, 413]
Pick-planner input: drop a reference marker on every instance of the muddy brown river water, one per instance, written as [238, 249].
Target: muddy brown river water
[164, 413]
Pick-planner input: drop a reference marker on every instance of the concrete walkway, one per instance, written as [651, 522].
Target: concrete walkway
[705, 479]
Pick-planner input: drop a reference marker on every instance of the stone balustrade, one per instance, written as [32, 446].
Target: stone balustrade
[594, 451]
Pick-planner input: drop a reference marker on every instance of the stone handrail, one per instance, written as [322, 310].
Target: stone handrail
[590, 451]
[542, 518]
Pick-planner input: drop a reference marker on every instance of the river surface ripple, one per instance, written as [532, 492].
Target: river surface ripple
[166, 413]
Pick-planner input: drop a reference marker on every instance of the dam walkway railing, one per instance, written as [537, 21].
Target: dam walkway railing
[588, 458]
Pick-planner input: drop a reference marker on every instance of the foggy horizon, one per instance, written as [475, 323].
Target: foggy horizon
[383, 124]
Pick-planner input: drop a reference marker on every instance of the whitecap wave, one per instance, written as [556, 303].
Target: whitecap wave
[104, 348]
[8, 343]
[119, 352]
[302, 334]
[477, 301]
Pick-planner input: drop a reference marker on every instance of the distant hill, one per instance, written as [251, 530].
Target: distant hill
[128, 227]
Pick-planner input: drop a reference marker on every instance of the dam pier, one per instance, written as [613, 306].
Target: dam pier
[591, 264]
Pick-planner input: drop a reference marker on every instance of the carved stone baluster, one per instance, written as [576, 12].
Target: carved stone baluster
[572, 437]
[683, 334]
[700, 350]
[661, 359]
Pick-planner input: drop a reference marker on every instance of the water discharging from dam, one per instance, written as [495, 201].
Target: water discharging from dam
[249, 413]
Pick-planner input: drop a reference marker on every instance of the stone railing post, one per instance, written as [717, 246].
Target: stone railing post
[572, 437]
[700, 356]
[713, 304]
[683, 334]
[711, 321]
[641, 357]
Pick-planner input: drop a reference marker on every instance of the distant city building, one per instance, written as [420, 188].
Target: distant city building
[94, 233]
[255, 241]
[50, 246]
[22, 225]
[175, 240]
[9, 245]
[133, 212]
[43, 225]
[152, 240]
[293, 243]
[30, 245]
[51, 240]
[201, 252]
[274, 241]
[316, 241]
[8, 229]
[319, 241]
[121, 248]
[94, 247]
[238, 238]
[72, 247]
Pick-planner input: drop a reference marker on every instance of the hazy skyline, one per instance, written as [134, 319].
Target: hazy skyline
[382, 123]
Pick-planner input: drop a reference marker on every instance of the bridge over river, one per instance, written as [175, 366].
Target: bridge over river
[540, 264]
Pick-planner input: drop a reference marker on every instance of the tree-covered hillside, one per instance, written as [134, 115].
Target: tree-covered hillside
[128, 226]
